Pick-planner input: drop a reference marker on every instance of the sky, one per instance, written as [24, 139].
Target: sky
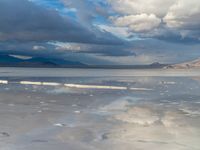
[102, 31]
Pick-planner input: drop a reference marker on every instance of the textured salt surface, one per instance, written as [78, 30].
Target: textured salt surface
[90, 114]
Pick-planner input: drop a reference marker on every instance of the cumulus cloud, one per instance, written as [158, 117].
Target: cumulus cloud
[184, 14]
[133, 7]
[180, 17]
[138, 23]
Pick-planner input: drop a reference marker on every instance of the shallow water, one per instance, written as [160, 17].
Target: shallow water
[72, 109]
[73, 72]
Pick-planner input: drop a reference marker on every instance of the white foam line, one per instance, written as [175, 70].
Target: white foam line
[81, 86]
[51, 83]
[39, 83]
[3, 82]
[140, 89]
[30, 83]
[95, 87]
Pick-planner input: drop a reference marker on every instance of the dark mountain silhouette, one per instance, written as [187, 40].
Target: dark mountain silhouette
[10, 61]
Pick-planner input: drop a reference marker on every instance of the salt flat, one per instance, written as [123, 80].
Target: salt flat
[120, 112]
[75, 72]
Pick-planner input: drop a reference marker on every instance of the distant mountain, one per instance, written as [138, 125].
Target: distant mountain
[59, 62]
[155, 65]
[6, 59]
[186, 65]
[11, 61]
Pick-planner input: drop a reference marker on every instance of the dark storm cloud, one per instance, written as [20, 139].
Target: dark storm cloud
[178, 39]
[38, 48]
[174, 36]
[22, 20]
[27, 48]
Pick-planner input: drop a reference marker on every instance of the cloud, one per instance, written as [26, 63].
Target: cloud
[121, 32]
[66, 46]
[138, 23]
[88, 10]
[102, 50]
[38, 47]
[23, 20]
[86, 53]
[133, 7]
[84, 12]
[134, 52]
[180, 17]
[100, 32]
[21, 57]
[184, 14]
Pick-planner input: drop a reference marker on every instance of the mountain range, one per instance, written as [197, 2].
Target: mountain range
[186, 65]
[40, 62]
[11, 61]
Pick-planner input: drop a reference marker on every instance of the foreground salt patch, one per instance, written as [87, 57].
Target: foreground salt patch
[138, 115]
[63, 90]
[190, 112]
[149, 126]
[146, 127]
[121, 104]
[116, 106]
[174, 119]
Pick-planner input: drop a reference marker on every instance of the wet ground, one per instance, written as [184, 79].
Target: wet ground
[95, 113]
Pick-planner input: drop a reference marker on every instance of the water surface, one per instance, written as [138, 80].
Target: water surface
[91, 109]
